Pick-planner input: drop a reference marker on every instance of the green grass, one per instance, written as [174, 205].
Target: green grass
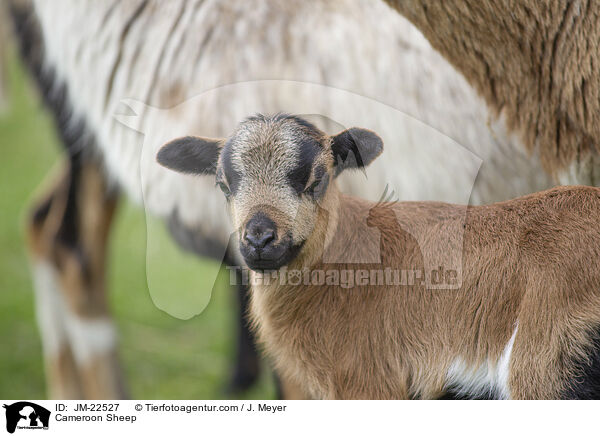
[163, 356]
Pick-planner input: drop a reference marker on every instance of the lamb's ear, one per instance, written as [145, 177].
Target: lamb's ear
[191, 155]
[355, 148]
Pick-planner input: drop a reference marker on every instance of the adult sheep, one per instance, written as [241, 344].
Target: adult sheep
[89, 56]
[535, 63]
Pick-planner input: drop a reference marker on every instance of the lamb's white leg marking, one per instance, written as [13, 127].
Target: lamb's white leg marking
[490, 378]
[468, 381]
[503, 367]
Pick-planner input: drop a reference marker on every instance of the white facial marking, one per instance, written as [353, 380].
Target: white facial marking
[264, 152]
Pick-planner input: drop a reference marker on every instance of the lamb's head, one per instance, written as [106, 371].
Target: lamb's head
[274, 171]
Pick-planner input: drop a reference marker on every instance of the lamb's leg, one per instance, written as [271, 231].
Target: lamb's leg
[68, 234]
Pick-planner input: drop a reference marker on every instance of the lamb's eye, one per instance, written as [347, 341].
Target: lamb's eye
[311, 189]
[224, 188]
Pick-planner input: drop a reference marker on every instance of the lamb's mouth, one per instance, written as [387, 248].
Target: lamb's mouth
[280, 256]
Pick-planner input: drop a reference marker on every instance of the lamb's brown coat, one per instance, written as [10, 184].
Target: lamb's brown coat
[531, 262]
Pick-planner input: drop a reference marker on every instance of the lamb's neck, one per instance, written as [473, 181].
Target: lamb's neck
[531, 60]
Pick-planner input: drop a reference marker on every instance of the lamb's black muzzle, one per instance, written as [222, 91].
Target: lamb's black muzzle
[260, 232]
[261, 249]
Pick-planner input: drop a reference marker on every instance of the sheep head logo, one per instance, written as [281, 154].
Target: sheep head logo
[27, 415]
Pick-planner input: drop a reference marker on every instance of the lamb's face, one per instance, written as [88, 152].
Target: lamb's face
[274, 171]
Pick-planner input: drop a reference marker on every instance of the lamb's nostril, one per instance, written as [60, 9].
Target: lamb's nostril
[259, 232]
[260, 239]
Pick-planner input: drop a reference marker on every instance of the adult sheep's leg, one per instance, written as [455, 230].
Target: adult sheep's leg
[68, 232]
[247, 368]
[61, 372]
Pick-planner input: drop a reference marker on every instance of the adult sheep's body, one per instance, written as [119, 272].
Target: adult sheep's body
[213, 63]
[535, 63]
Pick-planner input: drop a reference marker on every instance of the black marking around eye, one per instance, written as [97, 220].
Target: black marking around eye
[231, 175]
[320, 171]
[298, 177]
[321, 187]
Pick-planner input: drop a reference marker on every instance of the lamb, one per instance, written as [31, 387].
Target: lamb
[523, 322]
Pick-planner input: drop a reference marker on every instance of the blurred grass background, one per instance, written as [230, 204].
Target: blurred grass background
[163, 357]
